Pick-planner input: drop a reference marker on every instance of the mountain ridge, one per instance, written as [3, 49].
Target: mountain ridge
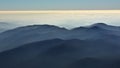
[49, 46]
[54, 26]
[23, 35]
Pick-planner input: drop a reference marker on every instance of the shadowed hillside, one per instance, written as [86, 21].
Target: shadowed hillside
[28, 34]
[59, 53]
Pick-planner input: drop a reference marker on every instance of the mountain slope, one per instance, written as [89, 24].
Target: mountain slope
[28, 34]
[59, 53]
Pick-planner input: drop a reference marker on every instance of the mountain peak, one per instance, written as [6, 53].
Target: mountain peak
[36, 27]
[105, 26]
[95, 26]
[100, 24]
[42, 26]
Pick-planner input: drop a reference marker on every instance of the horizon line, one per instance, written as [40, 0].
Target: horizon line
[57, 11]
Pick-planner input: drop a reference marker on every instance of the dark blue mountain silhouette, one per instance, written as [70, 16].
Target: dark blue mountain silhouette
[49, 46]
[28, 34]
[59, 53]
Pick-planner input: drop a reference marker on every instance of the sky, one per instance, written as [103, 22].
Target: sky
[67, 19]
[59, 4]
[82, 12]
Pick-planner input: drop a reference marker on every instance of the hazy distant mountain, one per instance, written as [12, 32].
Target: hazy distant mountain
[6, 26]
[28, 34]
[59, 53]
[23, 35]
[48, 46]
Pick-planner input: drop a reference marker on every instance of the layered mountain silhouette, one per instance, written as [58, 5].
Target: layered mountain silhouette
[57, 53]
[28, 34]
[49, 46]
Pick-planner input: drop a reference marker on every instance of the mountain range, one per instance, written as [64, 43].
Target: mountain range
[49, 46]
[28, 34]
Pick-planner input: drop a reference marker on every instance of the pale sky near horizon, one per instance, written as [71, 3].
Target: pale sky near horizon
[67, 19]
[59, 4]
[74, 12]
